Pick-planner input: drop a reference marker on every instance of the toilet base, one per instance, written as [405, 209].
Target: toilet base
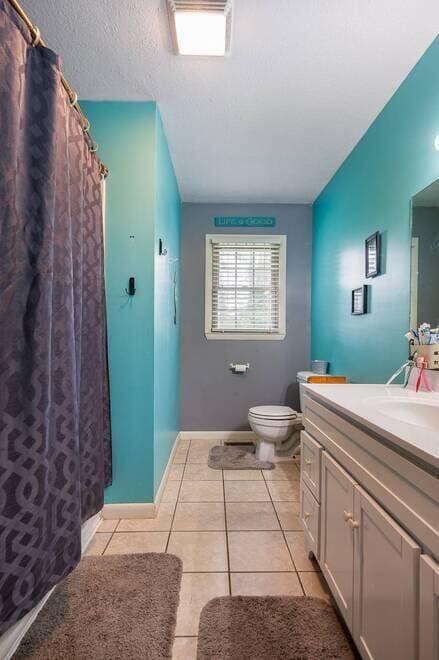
[272, 452]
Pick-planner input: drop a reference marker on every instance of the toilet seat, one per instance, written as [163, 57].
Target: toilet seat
[275, 413]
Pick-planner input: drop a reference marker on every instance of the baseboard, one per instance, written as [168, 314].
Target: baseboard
[142, 509]
[221, 436]
[11, 639]
[129, 510]
[161, 488]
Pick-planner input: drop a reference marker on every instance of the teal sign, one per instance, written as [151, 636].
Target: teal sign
[258, 221]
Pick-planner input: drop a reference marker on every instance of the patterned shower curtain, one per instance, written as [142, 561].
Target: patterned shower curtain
[55, 453]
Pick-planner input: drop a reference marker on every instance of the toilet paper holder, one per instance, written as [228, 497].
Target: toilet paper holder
[239, 368]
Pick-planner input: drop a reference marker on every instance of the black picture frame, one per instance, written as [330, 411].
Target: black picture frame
[359, 300]
[372, 253]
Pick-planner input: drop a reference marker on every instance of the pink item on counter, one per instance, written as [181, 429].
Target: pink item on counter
[422, 378]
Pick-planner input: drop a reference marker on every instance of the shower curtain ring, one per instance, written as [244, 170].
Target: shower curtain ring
[86, 125]
[74, 100]
[37, 36]
[94, 146]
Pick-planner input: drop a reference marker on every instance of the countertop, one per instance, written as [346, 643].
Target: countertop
[359, 403]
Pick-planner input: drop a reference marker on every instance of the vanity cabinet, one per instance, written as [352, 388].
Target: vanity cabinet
[367, 548]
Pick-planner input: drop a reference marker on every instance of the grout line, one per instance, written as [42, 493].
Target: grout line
[227, 536]
[285, 538]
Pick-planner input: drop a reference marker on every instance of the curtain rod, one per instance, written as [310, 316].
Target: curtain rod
[73, 97]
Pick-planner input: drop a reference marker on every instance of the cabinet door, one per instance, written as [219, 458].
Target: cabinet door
[310, 518]
[429, 609]
[336, 538]
[386, 564]
[310, 454]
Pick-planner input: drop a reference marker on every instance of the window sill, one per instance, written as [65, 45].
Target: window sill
[241, 336]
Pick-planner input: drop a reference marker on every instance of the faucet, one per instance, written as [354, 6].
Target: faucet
[408, 366]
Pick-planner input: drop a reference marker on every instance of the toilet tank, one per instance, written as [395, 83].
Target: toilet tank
[302, 378]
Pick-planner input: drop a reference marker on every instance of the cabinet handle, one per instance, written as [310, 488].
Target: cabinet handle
[307, 515]
[354, 523]
[307, 461]
[348, 515]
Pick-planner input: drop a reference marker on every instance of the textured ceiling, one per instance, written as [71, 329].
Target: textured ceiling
[270, 123]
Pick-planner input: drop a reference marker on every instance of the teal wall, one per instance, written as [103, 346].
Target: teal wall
[166, 334]
[132, 144]
[371, 191]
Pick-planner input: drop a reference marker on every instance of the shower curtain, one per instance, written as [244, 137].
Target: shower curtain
[55, 453]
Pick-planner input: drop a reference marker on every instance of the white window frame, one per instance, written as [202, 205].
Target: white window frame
[280, 240]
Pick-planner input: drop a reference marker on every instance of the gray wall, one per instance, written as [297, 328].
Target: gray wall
[212, 397]
[426, 227]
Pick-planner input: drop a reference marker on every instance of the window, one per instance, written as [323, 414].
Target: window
[245, 287]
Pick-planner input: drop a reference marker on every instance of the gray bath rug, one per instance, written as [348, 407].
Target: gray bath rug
[112, 607]
[236, 457]
[271, 628]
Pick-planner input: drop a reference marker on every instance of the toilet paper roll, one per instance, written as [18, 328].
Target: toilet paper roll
[240, 368]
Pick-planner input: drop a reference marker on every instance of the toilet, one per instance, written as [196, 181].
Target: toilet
[277, 428]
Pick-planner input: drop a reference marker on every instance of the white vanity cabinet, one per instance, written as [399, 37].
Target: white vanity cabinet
[376, 519]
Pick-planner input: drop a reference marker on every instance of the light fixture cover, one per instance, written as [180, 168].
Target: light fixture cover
[201, 27]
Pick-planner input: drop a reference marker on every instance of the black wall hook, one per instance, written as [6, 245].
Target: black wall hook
[162, 251]
[131, 287]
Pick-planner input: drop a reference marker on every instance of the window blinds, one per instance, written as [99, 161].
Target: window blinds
[245, 287]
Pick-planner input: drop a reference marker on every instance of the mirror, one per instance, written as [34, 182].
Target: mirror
[424, 280]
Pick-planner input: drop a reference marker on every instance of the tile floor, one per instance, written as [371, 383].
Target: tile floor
[236, 531]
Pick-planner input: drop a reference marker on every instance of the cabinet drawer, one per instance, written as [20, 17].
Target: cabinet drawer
[310, 460]
[310, 518]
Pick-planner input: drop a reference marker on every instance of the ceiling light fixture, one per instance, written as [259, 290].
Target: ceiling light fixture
[201, 27]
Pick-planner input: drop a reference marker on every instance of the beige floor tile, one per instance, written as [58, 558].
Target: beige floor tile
[203, 443]
[184, 443]
[301, 560]
[282, 472]
[251, 516]
[284, 491]
[315, 585]
[246, 491]
[201, 491]
[185, 648]
[242, 475]
[125, 543]
[161, 523]
[198, 455]
[258, 551]
[176, 472]
[98, 544]
[289, 515]
[196, 590]
[180, 455]
[200, 551]
[198, 516]
[266, 584]
[200, 472]
[107, 525]
[170, 493]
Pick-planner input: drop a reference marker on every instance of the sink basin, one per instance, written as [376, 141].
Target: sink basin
[418, 413]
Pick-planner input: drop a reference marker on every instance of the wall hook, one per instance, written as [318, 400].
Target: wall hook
[162, 251]
[131, 287]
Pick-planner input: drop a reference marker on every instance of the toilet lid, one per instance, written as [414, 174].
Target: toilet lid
[273, 412]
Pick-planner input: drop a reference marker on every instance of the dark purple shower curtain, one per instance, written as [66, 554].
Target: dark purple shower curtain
[55, 453]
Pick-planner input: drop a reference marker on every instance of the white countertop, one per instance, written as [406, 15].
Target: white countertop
[360, 401]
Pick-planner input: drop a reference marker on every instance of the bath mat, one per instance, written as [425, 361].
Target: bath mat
[236, 457]
[274, 628]
[120, 606]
